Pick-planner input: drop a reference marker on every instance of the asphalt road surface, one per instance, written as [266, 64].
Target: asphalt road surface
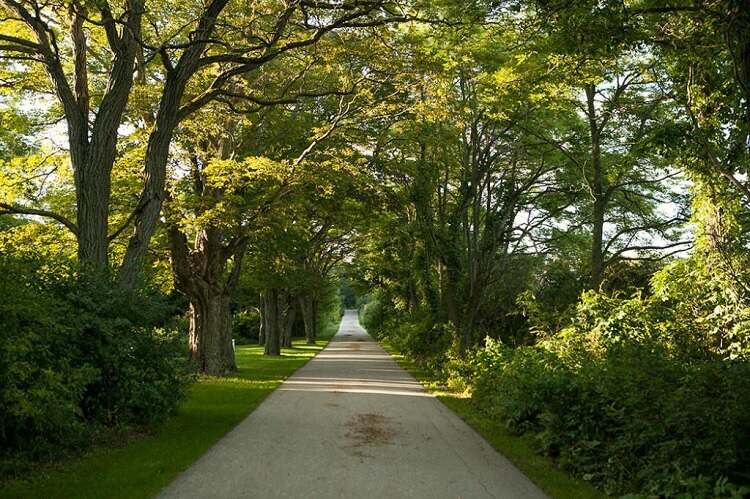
[352, 424]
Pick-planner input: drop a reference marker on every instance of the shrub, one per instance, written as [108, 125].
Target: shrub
[515, 384]
[141, 365]
[638, 395]
[371, 316]
[76, 352]
[40, 389]
[634, 419]
[246, 326]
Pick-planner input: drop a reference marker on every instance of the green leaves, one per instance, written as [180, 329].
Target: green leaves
[236, 176]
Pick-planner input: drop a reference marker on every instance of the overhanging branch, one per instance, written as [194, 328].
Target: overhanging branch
[13, 209]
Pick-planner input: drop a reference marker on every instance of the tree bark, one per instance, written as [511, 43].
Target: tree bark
[93, 189]
[290, 313]
[201, 275]
[272, 336]
[596, 187]
[150, 203]
[308, 318]
[210, 334]
[263, 326]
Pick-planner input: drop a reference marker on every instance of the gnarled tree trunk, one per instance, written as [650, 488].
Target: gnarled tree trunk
[201, 274]
[210, 333]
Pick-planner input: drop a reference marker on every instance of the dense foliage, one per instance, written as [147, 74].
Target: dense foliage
[78, 354]
[566, 235]
[637, 394]
[545, 202]
[624, 399]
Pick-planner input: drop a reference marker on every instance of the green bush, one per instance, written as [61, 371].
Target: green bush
[642, 395]
[76, 353]
[141, 365]
[371, 315]
[246, 326]
[515, 384]
[634, 419]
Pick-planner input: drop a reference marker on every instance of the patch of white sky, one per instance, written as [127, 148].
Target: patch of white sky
[679, 184]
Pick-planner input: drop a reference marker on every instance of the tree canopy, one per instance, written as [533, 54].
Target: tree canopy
[544, 202]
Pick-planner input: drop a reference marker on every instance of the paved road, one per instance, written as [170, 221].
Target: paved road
[352, 424]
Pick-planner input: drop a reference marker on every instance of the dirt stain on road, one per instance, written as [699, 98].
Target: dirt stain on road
[370, 430]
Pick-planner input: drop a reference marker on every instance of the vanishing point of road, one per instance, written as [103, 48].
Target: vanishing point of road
[352, 423]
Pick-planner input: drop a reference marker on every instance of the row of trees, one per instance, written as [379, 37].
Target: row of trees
[542, 198]
[512, 155]
[565, 232]
[206, 132]
[173, 177]
[526, 138]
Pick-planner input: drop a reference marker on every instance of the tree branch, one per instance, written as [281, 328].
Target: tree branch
[14, 209]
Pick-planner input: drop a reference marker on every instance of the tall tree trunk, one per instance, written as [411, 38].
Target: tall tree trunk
[93, 193]
[272, 336]
[452, 296]
[597, 238]
[150, 202]
[210, 333]
[290, 313]
[263, 326]
[93, 178]
[92, 139]
[308, 318]
[596, 187]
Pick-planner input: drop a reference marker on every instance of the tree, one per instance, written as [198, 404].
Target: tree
[620, 182]
[238, 169]
[471, 177]
[293, 258]
[92, 54]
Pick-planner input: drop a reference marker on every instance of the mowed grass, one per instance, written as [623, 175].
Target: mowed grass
[518, 449]
[142, 467]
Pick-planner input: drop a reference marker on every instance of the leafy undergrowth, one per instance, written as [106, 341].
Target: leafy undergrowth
[518, 449]
[144, 465]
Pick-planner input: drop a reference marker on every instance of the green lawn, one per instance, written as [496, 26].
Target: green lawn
[519, 449]
[144, 466]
